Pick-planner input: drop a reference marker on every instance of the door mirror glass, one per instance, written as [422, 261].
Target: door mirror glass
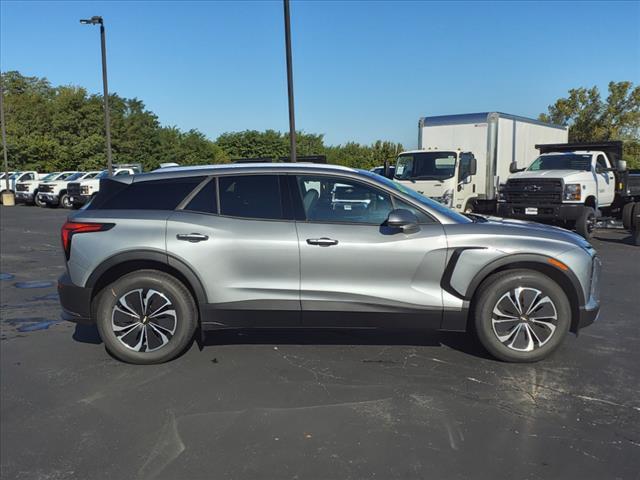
[403, 219]
[621, 165]
[468, 167]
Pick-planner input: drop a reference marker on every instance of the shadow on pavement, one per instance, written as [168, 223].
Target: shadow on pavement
[87, 334]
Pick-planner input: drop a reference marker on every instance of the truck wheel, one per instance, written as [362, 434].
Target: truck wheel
[146, 317]
[37, 201]
[635, 225]
[586, 223]
[627, 215]
[65, 202]
[521, 315]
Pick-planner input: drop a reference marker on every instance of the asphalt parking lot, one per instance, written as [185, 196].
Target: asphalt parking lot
[309, 404]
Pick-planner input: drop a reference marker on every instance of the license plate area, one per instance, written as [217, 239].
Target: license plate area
[531, 211]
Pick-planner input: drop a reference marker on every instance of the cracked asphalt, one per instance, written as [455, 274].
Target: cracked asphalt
[309, 404]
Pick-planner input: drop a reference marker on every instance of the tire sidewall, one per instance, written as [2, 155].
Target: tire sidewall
[177, 293]
[581, 223]
[496, 288]
[64, 201]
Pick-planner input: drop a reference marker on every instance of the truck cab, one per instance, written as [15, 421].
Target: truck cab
[15, 178]
[570, 184]
[445, 176]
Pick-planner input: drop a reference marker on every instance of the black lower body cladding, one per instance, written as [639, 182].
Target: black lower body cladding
[75, 300]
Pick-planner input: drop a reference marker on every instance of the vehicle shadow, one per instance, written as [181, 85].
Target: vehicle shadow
[628, 240]
[462, 342]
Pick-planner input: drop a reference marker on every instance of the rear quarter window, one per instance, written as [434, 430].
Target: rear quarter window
[146, 195]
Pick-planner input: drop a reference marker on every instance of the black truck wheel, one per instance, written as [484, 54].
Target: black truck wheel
[635, 224]
[586, 223]
[627, 213]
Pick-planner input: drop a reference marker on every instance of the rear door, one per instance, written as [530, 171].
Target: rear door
[238, 235]
[355, 271]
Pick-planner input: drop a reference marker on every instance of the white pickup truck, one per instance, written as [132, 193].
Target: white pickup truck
[80, 192]
[53, 193]
[17, 177]
[575, 184]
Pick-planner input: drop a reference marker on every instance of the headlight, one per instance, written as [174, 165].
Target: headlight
[572, 191]
[447, 198]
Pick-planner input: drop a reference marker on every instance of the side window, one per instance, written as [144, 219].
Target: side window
[122, 172]
[27, 176]
[250, 196]
[206, 200]
[601, 162]
[147, 195]
[422, 217]
[340, 200]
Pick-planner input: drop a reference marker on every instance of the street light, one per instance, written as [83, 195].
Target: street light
[292, 119]
[96, 20]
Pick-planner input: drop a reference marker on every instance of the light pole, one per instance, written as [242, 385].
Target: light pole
[292, 118]
[96, 20]
[7, 197]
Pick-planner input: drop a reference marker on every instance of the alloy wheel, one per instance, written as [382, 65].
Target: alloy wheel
[524, 319]
[144, 320]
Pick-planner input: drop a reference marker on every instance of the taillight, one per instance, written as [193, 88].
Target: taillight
[69, 229]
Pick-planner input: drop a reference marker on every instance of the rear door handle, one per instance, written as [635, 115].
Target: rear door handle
[322, 242]
[192, 237]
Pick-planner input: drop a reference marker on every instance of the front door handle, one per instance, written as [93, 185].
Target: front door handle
[322, 242]
[192, 237]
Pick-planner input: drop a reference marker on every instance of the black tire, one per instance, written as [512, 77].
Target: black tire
[585, 225]
[64, 201]
[491, 296]
[183, 321]
[37, 202]
[76, 206]
[627, 215]
[635, 225]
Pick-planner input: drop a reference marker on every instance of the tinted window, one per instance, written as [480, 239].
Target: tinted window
[602, 163]
[250, 196]
[205, 200]
[422, 217]
[149, 195]
[339, 200]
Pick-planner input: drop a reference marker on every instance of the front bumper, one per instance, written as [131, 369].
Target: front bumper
[79, 199]
[49, 198]
[24, 197]
[548, 212]
[75, 301]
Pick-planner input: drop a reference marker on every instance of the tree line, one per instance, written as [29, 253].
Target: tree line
[62, 128]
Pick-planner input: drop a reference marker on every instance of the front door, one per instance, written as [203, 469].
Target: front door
[605, 181]
[235, 236]
[357, 272]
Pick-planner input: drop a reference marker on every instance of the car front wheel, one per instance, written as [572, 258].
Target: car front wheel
[521, 315]
[146, 317]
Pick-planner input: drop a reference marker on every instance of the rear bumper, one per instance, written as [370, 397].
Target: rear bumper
[550, 212]
[588, 316]
[75, 301]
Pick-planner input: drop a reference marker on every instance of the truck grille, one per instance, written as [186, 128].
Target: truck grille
[22, 187]
[73, 189]
[533, 191]
[45, 188]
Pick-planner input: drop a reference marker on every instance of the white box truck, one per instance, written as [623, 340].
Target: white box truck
[462, 159]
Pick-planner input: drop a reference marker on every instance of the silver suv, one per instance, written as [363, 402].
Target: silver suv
[157, 256]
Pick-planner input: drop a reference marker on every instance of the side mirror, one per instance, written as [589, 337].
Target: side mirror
[404, 220]
[621, 165]
[473, 166]
[513, 168]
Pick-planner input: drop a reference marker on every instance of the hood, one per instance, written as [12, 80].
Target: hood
[554, 174]
[510, 226]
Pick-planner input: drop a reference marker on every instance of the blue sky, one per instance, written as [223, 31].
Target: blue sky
[363, 70]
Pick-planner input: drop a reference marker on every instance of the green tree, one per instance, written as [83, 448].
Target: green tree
[591, 119]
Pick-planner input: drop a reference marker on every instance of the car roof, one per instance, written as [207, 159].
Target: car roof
[204, 170]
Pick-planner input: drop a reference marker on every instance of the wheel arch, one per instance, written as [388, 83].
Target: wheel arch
[131, 261]
[539, 263]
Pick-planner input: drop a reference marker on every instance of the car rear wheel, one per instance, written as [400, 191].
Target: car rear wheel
[521, 315]
[146, 317]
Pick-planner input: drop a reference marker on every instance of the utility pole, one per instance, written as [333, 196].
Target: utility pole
[7, 197]
[292, 118]
[97, 20]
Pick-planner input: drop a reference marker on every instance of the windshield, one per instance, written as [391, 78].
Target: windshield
[65, 176]
[103, 174]
[13, 176]
[569, 161]
[427, 202]
[51, 176]
[426, 166]
[75, 176]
